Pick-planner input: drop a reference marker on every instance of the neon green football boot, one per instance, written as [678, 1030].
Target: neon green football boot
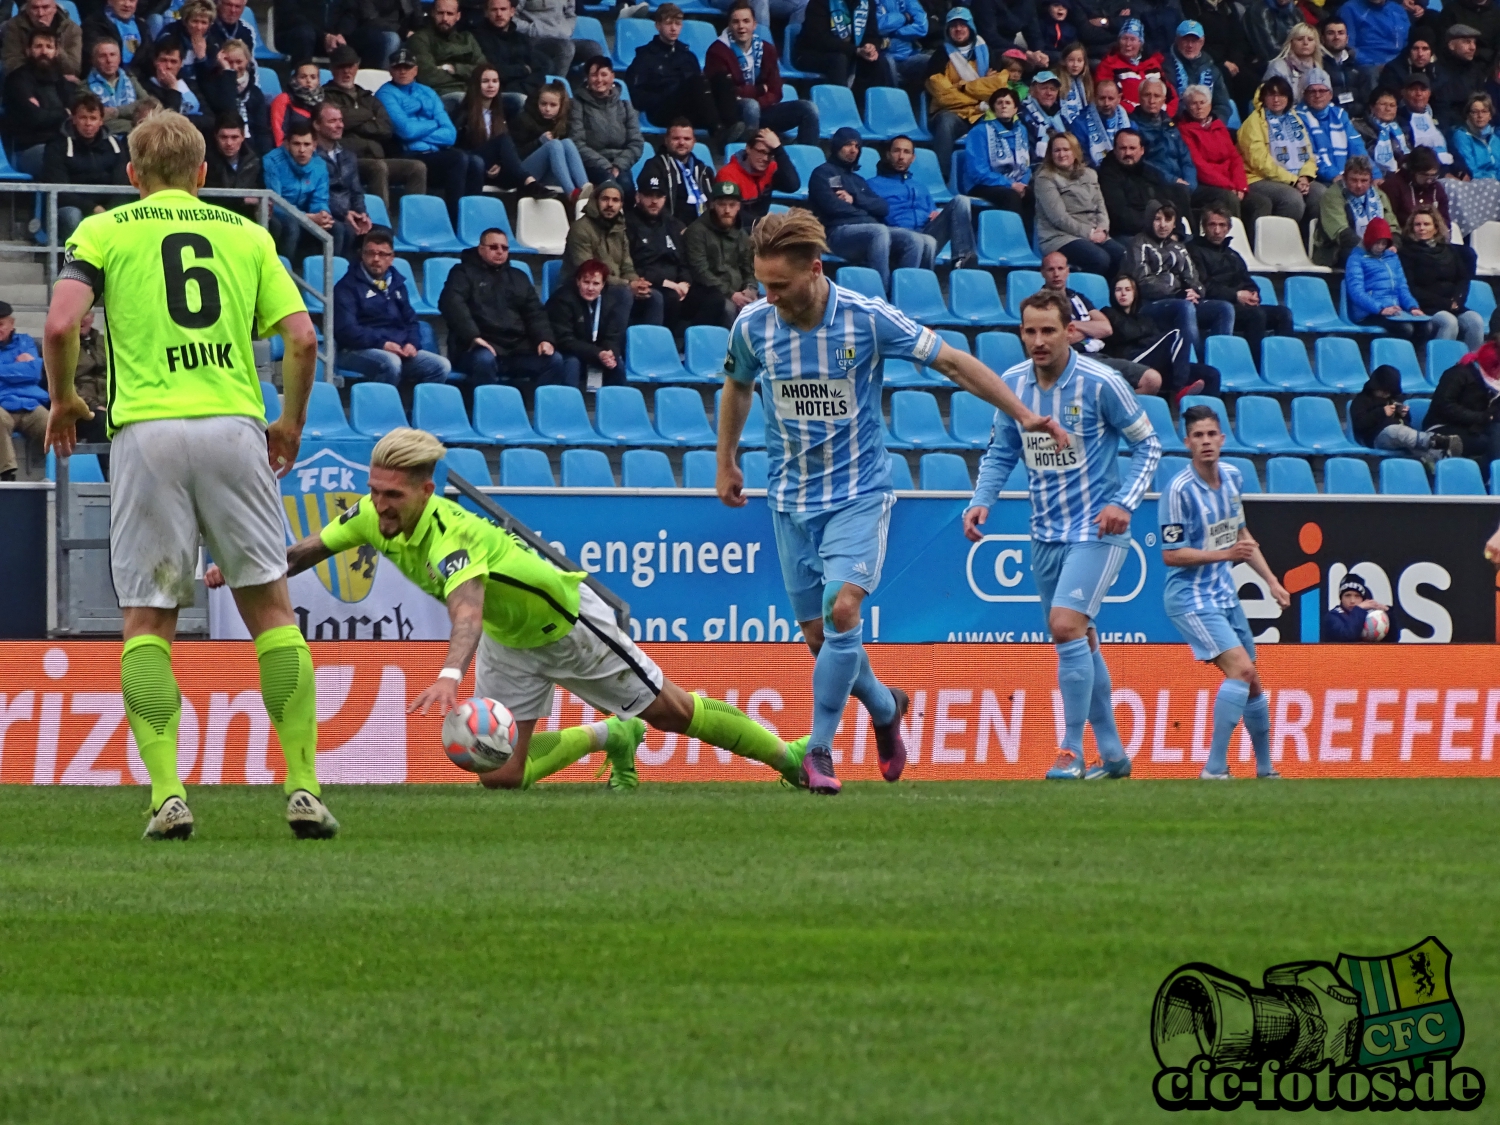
[619, 750]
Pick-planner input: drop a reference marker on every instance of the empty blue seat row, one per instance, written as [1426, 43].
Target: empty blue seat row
[1315, 429]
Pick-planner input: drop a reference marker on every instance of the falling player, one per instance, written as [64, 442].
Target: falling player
[1080, 511]
[819, 350]
[183, 284]
[534, 627]
[1203, 535]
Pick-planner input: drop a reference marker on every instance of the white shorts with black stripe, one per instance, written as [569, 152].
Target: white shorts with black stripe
[596, 662]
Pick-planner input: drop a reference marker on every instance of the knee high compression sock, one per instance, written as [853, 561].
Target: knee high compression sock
[153, 705]
[1258, 727]
[834, 674]
[290, 692]
[727, 727]
[556, 750]
[1075, 680]
[1102, 712]
[1229, 705]
[876, 697]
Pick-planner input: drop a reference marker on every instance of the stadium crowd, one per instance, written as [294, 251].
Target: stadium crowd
[1128, 139]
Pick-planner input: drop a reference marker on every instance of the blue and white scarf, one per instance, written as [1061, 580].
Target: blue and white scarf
[1008, 145]
[1042, 125]
[690, 185]
[1291, 148]
[972, 61]
[749, 64]
[1425, 131]
[843, 24]
[1390, 144]
[122, 93]
[1361, 209]
[1101, 133]
[1204, 77]
[130, 35]
[1071, 104]
[1330, 131]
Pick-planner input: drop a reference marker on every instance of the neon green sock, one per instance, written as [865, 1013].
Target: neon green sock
[153, 705]
[290, 692]
[720, 724]
[556, 750]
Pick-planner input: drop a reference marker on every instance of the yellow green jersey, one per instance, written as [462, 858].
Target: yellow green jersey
[528, 602]
[185, 286]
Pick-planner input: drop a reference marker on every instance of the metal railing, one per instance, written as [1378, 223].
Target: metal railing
[52, 249]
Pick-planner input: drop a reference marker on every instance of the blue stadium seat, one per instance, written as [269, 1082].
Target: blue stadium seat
[789, 69]
[630, 36]
[1418, 408]
[1283, 364]
[1232, 444]
[888, 114]
[999, 350]
[646, 468]
[1290, 476]
[1458, 476]
[1347, 476]
[753, 436]
[1495, 478]
[651, 353]
[925, 171]
[902, 374]
[971, 419]
[375, 409]
[1443, 354]
[975, 300]
[1092, 286]
[262, 52]
[1020, 284]
[586, 27]
[478, 213]
[425, 226]
[435, 273]
[1267, 289]
[679, 417]
[1250, 479]
[944, 472]
[272, 399]
[1311, 305]
[620, 413]
[915, 292]
[900, 472]
[1261, 426]
[836, 110]
[438, 408]
[1481, 300]
[917, 422]
[698, 35]
[756, 468]
[1403, 357]
[804, 158]
[1402, 476]
[525, 468]
[375, 209]
[587, 468]
[1237, 372]
[1349, 325]
[312, 273]
[1166, 469]
[419, 303]
[1161, 421]
[700, 468]
[954, 339]
[704, 351]
[469, 464]
[1316, 427]
[1002, 240]
[551, 277]
[325, 414]
[861, 279]
[560, 416]
[500, 417]
[1340, 367]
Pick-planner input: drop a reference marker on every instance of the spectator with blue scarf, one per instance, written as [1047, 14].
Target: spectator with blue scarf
[1043, 113]
[117, 23]
[1334, 137]
[1420, 121]
[1188, 65]
[1280, 164]
[1385, 139]
[960, 81]
[1166, 151]
[841, 38]
[1097, 125]
[751, 68]
[1347, 210]
[996, 164]
[23, 398]
[115, 88]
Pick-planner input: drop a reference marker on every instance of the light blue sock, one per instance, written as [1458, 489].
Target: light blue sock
[1258, 727]
[833, 675]
[1229, 705]
[876, 697]
[1075, 679]
[1102, 712]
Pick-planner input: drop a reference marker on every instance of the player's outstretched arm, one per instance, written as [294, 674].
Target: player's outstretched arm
[71, 301]
[979, 380]
[302, 555]
[298, 365]
[734, 408]
[466, 612]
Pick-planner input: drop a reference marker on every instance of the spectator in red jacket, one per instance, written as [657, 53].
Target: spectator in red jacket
[759, 169]
[1128, 63]
[1221, 168]
[742, 67]
[301, 98]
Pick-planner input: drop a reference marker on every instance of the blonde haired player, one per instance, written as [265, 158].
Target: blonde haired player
[184, 283]
[533, 626]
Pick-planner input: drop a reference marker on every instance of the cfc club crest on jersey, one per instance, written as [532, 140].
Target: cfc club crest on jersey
[318, 491]
[845, 357]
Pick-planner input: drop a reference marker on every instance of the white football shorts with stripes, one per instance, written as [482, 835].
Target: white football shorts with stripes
[1213, 631]
[174, 478]
[596, 662]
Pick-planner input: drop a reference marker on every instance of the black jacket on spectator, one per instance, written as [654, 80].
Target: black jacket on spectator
[1160, 18]
[659, 74]
[817, 30]
[1347, 77]
[172, 99]
[245, 174]
[1438, 273]
[1455, 81]
[1224, 38]
[573, 326]
[349, 16]
[1132, 333]
[670, 171]
[998, 22]
[28, 124]
[1482, 15]
[72, 160]
[345, 191]
[514, 55]
[656, 246]
[223, 96]
[1462, 402]
[1127, 190]
[496, 303]
[1367, 413]
[1221, 270]
[367, 125]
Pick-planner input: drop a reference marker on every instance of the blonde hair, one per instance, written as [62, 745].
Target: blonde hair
[797, 234]
[235, 47]
[415, 451]
[1302, 31]
[1085, 78]
[196, 8]
[167, 151]
[1050, 167]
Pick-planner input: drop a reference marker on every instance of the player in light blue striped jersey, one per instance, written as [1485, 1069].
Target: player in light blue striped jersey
[1080, 510]
[818, 351]
[1203, 536]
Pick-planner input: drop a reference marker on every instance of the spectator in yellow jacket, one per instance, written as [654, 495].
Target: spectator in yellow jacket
[960, 81]
[1281, 165]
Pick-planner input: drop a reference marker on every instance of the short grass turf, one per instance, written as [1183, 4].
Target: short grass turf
[732, 953]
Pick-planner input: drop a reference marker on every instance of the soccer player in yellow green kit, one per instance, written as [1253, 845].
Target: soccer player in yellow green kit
[184, 283]
[532, 625]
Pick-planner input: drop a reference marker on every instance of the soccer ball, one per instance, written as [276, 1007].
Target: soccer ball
[479, 735]
[1377, 625]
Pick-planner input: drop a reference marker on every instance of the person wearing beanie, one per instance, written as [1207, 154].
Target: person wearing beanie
[1334, 137]
[1382, 420]
[853, 213]
[23, 398]
[1418, 59]
[1128, 65]
[1345, 622]
[1467, 403]
[601, 235]
[1375, 286]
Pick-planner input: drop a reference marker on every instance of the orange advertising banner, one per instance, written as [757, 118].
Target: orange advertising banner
[978, 712]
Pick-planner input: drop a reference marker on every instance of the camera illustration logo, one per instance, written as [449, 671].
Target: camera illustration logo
[1366, 1033]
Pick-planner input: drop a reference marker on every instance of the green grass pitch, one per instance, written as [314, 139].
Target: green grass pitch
[730, 953]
